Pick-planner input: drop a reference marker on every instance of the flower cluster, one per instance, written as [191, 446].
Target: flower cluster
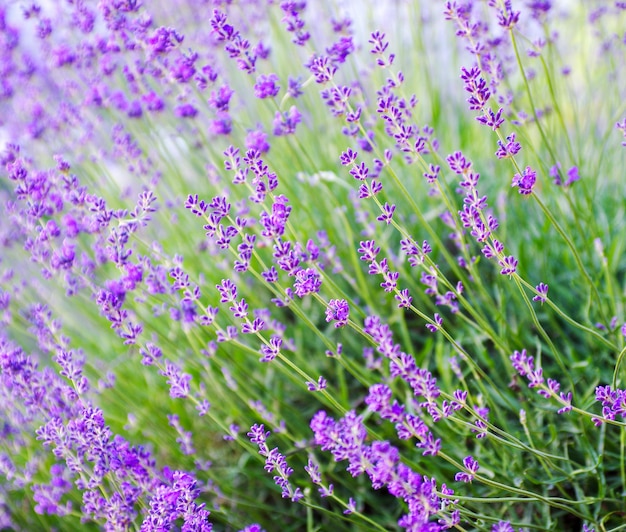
[525, 181]
[226, 216]
[525, 367]
[476, 217]
[613, 402]
[345, 439]
[275, 462]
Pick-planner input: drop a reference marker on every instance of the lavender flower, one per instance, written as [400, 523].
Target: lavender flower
[177, 380]
[509, 265]
[387, 214]
[257, 140]
[175, 501]
[345, 439]
[613, 402]
[48, 496]
[338, 311]
[542, 293]
[144, 111]
[322, 68]
[308, 281]
[293, 22]
[163, 40]
[266, 86]
[471, 467]
[525, 366]
[525, 182]
[285, 123]
[317, 386]
[379, 47]
[403, 298]
[510, 149]
[507, 18]
[436, 325]
[572, 176]
[549, 388]
[186, 110]
[275, 462]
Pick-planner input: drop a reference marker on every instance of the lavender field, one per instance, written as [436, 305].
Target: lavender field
[312, 266]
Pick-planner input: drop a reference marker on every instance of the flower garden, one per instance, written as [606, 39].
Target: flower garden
[306, 266]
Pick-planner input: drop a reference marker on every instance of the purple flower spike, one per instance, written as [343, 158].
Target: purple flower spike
[510, 149]
[185, 111]
[472, 466]
[368, 250]
[258, 434]
[432, 174]
[348, 157]
[430, 445]
[404, 299]
[285, 123]
[308, 281]
[340, 50]
[522, 363]
[322, 68]
[351, 507]
[613, 402]
[317, 386]
[227, 290]
[178, 381]
[380, 44]
[507, 18]
[434, 327]
[509, 265]
[458, 163]
[220, 30]
[219, 100]
[526, 181]
[266, 86]
[293, 22]
[314, 471]
[491, 119]
[275, 462]
[257, 140]
[566, 400]
[572, 176]
[163, 40]
[271, 350]
[359, 172]
[477, 87]
[338, 310]
[294, 87]
[387, 214]
[542, 290]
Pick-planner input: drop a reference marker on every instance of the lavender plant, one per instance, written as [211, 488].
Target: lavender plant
[312, 265]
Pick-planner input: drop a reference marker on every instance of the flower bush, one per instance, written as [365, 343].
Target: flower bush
[312, 265]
